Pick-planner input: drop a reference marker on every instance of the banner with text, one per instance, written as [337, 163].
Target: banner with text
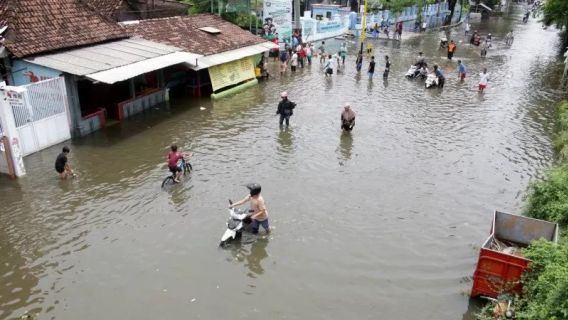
[230, 73]
[280, 11]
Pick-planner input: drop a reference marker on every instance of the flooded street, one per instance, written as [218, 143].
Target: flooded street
[382, 223]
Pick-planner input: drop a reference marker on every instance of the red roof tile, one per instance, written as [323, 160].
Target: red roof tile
[183, 32]
[36, 26]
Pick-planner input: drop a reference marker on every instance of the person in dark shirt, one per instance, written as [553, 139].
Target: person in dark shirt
[285, 109]
[387, 67]
[371, 70]
[62, 164]
[359, 62]
[440, 75]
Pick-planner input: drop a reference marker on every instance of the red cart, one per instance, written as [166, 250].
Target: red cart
[501, 263]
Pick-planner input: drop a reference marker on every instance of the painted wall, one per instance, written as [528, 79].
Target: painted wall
[24, 72]
[433, 14]
[314, 30]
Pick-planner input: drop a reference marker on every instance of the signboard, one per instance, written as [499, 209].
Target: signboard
[280, 11]
[230, 73]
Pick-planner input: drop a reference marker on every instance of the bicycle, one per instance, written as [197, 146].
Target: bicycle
[186, 167]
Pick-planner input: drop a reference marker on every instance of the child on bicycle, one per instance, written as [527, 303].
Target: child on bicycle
[175, 161]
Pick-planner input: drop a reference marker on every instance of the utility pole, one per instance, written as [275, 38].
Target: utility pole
[297, 25]
[256, 16]
[248, 15]
[363, 26]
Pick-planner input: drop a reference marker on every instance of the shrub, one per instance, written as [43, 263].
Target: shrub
[545, 287]
[548, 199]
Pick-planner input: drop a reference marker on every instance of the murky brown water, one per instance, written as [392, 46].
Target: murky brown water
[383, 223]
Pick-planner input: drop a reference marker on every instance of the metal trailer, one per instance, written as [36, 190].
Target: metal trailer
[499, 270]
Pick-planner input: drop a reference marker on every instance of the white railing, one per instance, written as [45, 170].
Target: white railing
[46, 98]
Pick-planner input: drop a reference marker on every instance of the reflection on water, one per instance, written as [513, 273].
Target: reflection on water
[255, 256]
[345, 145]
[422, 167]
[285, 140]
[251, 250]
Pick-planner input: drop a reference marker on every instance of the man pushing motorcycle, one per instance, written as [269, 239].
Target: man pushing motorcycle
[259, 213]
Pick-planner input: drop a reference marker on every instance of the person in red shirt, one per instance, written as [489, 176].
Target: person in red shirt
[175, 161]
[302, 55]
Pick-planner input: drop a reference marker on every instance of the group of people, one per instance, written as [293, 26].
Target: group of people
[286, 109]
[385, 28]
[422, 72]
[304, 53]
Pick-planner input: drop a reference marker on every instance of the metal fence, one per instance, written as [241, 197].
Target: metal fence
[39, 101]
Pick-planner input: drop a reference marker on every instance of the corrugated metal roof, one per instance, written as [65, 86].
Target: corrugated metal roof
[232, 55]
[134, 69]
[97, 58]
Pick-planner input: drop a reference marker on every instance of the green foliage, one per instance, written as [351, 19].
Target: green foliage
[197, 6]
[545, 287]
[555, 13]
[241, 19]
[548, 199]
[561, 140]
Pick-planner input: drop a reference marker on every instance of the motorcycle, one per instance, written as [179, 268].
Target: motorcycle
[443, 43]
[238, 221]
[412, 72]
[431, 81]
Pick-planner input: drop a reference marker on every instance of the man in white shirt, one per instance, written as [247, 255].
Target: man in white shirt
[294, 61]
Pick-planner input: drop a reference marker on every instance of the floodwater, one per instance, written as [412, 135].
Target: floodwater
[382, 223]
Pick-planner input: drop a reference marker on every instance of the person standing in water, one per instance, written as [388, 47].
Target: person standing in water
[451, 49]
[483, 79]
[461, 70]
[285, 109]
[343, 52]
[371, 70]
[62, 166]
[347, 118]
[387, 68]
[359, 62]
[259, 214]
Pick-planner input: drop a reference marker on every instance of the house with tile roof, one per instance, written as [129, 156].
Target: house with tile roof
[114, 70]
[228, 53]
[109, 75]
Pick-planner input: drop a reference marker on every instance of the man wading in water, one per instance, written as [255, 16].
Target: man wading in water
[285, 109]
[347, 118]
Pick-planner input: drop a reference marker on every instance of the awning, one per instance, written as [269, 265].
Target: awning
[232, 55]
[135, 69]
[115, 61]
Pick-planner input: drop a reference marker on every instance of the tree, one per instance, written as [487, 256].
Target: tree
[555, 13]
[451, 7]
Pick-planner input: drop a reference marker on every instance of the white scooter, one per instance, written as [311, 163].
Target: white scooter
[238, 220]
[411, 73]
[431, 81]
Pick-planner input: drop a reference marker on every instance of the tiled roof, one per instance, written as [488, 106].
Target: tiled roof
[183, 32]
[105, 7]
[36, 26]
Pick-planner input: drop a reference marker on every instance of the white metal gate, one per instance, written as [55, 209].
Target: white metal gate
[40, 114]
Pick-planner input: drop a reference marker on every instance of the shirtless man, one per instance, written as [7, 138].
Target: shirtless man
[259, 214]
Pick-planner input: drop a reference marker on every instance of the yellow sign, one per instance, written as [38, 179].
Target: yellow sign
[230, 73]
